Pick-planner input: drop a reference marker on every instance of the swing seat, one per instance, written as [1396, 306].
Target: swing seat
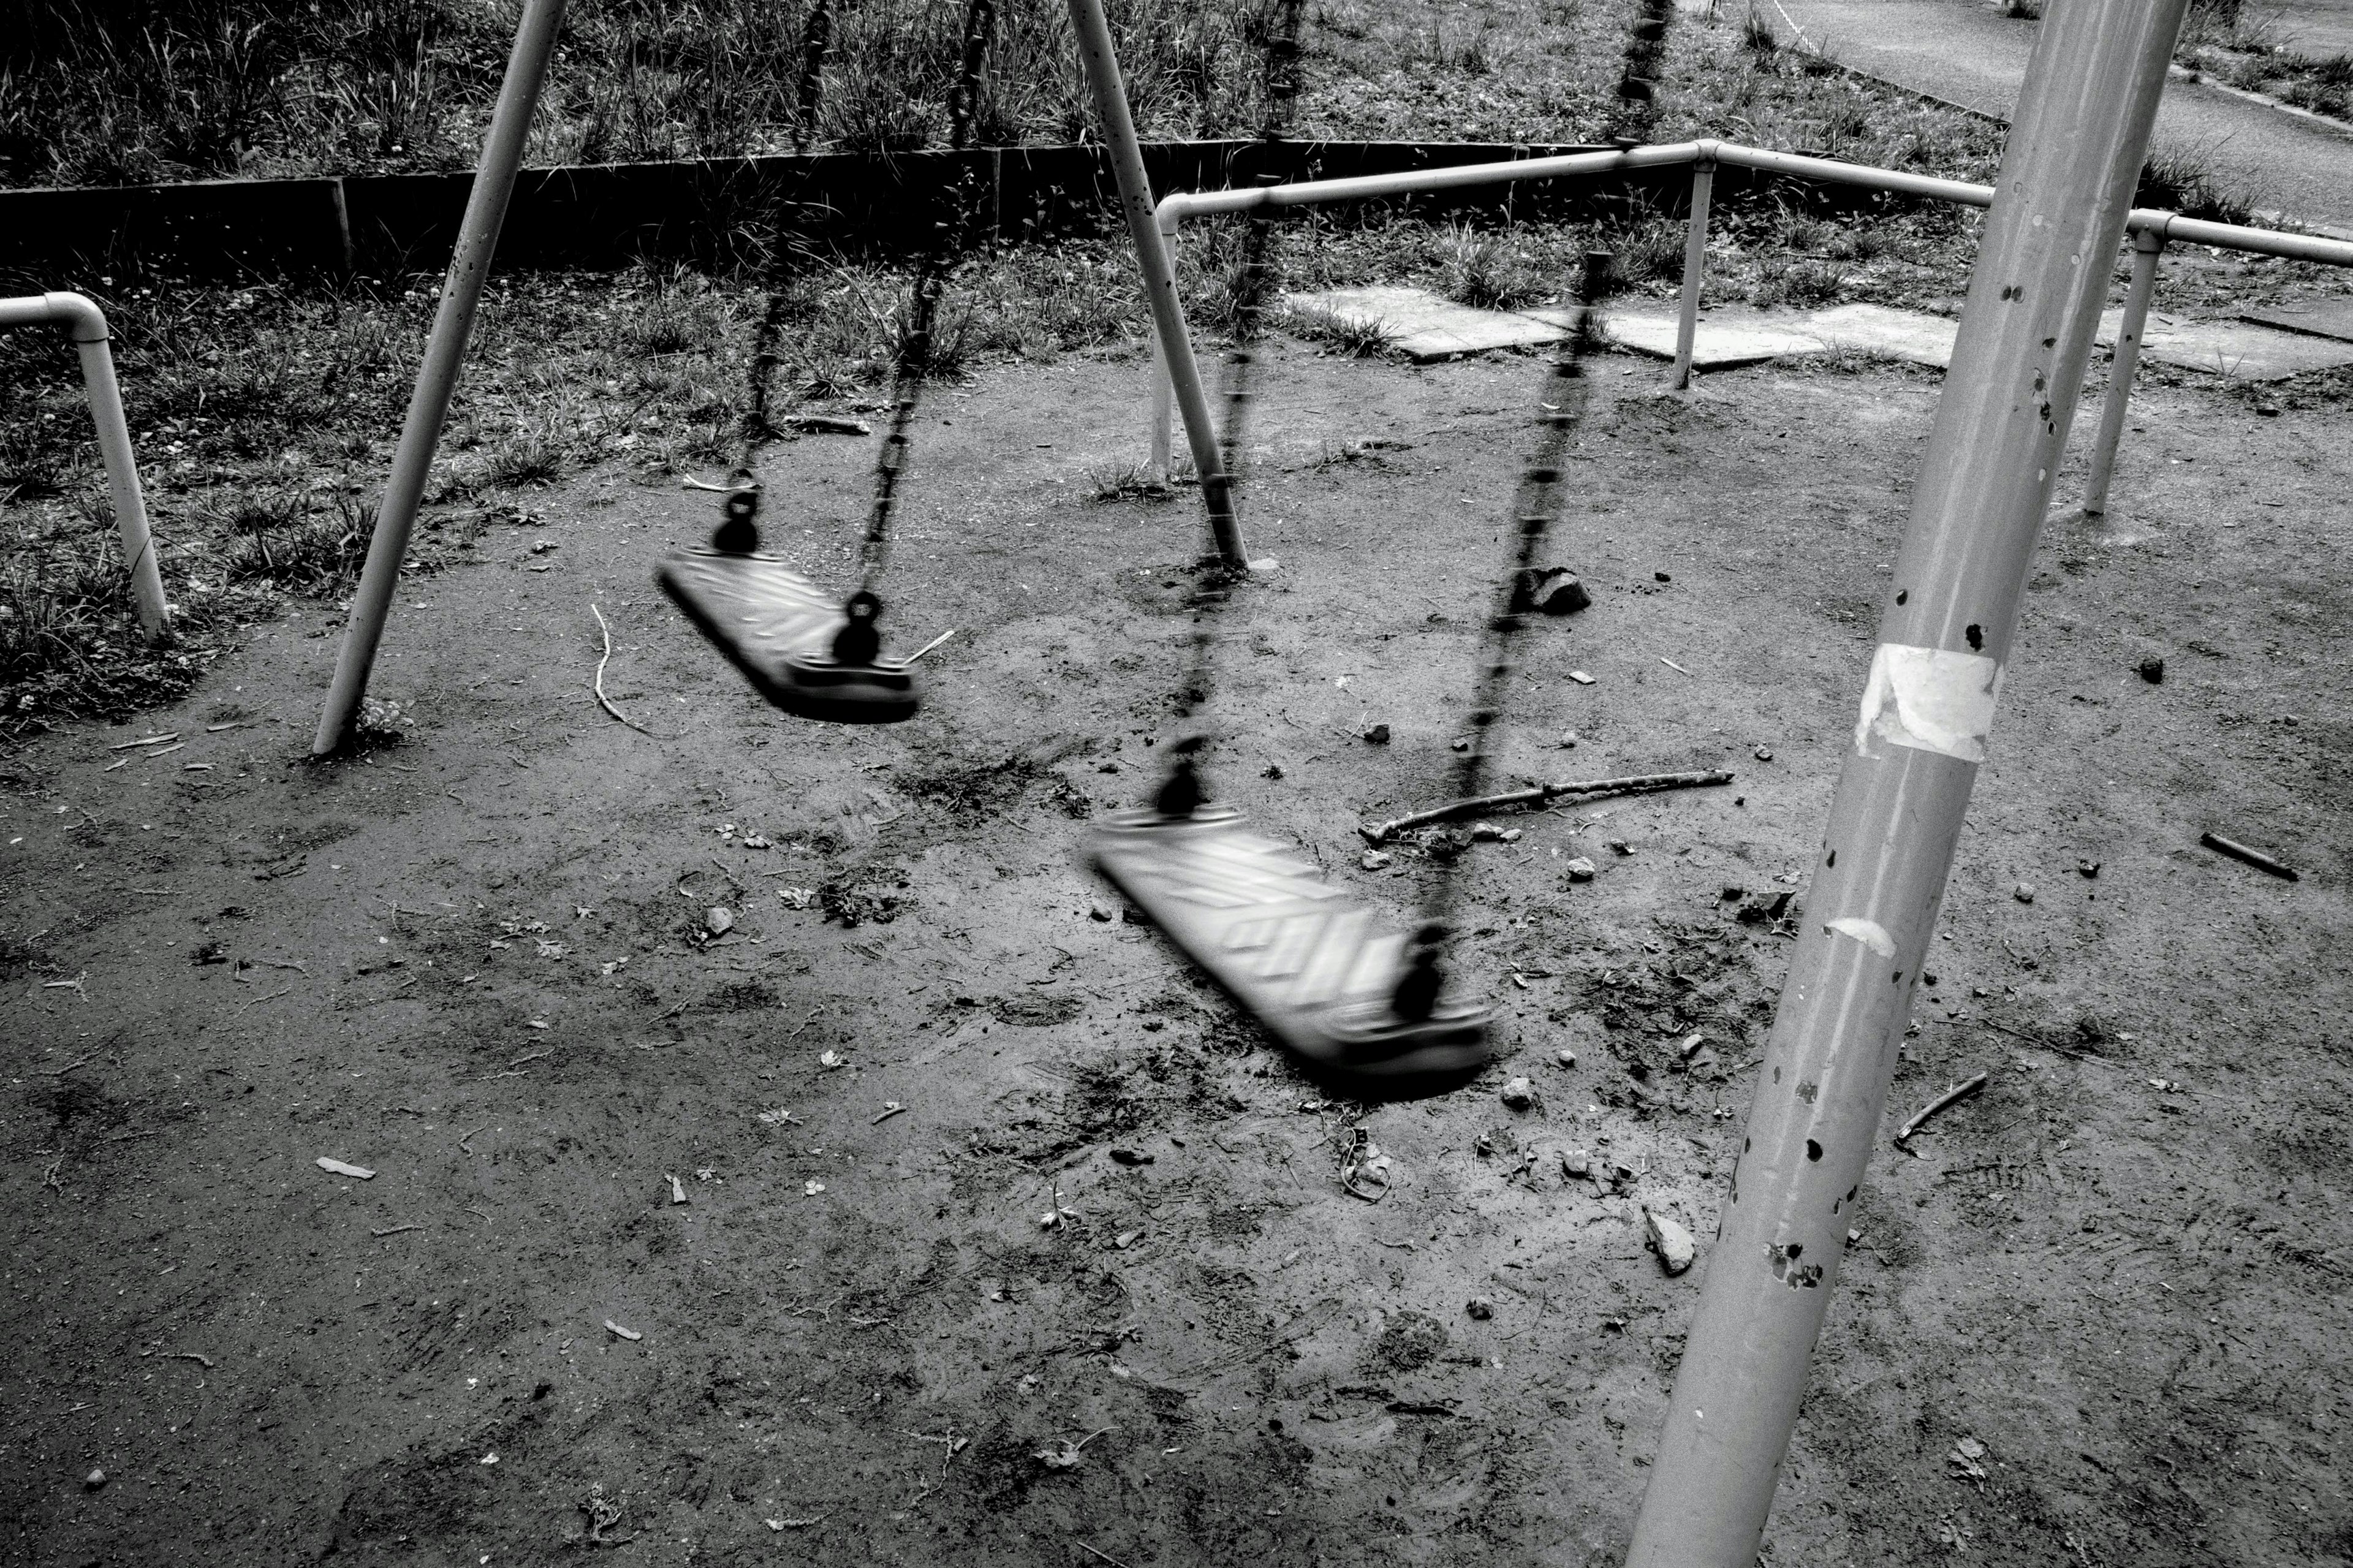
[775, 625]
[1306, 959]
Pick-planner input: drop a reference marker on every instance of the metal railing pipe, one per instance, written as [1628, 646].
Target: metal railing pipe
[2182, 230]
[1413, 182]
[1145, 228]
[2076, 149]
[86, 325]
[1694, 265]
[437, 376]
[2147, 244]
[1832, 172]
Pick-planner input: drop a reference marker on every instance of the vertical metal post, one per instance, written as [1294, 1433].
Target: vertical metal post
[2146, 247]
[437, 376]
[1169, 328]
[1163, 393]
[1694, 264]
[2080, 132]
[86, 324]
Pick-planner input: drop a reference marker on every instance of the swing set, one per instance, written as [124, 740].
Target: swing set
[1314, 966]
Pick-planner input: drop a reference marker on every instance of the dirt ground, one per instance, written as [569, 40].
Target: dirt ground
[1096, 1294]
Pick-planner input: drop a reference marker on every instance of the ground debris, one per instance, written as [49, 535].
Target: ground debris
[343, 1168]
[1951, 1097]
[1538, 794]
[1668, 1238]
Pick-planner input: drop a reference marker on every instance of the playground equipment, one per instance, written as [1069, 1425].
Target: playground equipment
[436, 377]
[2152, 230]
[1302, 956]
[1292, 950]
[804, 656]
[2066, 179]
[87, 323]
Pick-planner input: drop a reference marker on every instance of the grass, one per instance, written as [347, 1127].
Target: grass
[119, 92]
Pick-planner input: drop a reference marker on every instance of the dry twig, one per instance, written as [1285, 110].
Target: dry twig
[607, 633]
[1951, 1097]
[1537, 794]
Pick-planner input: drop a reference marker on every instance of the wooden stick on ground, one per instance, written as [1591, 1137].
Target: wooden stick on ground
[1951, 1097]
[1538, 794]
[2255, 858]
[606, 632]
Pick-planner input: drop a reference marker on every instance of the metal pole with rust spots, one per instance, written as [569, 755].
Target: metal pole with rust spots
[2059, 211]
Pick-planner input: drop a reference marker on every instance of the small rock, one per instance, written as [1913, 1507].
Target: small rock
[2087, 868]
[1579, 869]
[1565, 1058]
[92, 1481]
[1461, 742]
[2153, 671]
[1271, 770]
[1509, 835]
[1375, 860]
[1764, 753]
[1621, 847]
[1520, 1094]
[1130, 1157]
[1374, 734]
[1578, 1164]
[1485, 833]
[718, 920]
[1130, 915]
[1663, 576]
[1580, 677]
[1671, 1241]
[1555, 590]
[1481, 1308]
[1568, 740]
[1097, 912]
[2023, 892]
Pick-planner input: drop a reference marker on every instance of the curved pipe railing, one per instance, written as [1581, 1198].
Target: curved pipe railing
[86, 325]
[1176, 379]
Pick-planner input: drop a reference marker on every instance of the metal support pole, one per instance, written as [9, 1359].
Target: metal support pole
[2080, 132]
[2148, 243]
[436, 377]
[1694, 264]
[87, 324]
[1176, 344]
[1164, 395]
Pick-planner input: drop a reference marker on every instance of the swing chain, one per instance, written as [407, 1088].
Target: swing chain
[1537, 503]
[1561, 409]
[937, 263]
[1213, 578]
[816, 45]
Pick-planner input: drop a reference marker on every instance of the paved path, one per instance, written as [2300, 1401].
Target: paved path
[2312, 27]
[1968, 52]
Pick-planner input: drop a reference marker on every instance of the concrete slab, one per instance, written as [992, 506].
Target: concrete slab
[2320, 318]
[1427, 326]
[1724, 338]
[1899, 334]
[2240, 349]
